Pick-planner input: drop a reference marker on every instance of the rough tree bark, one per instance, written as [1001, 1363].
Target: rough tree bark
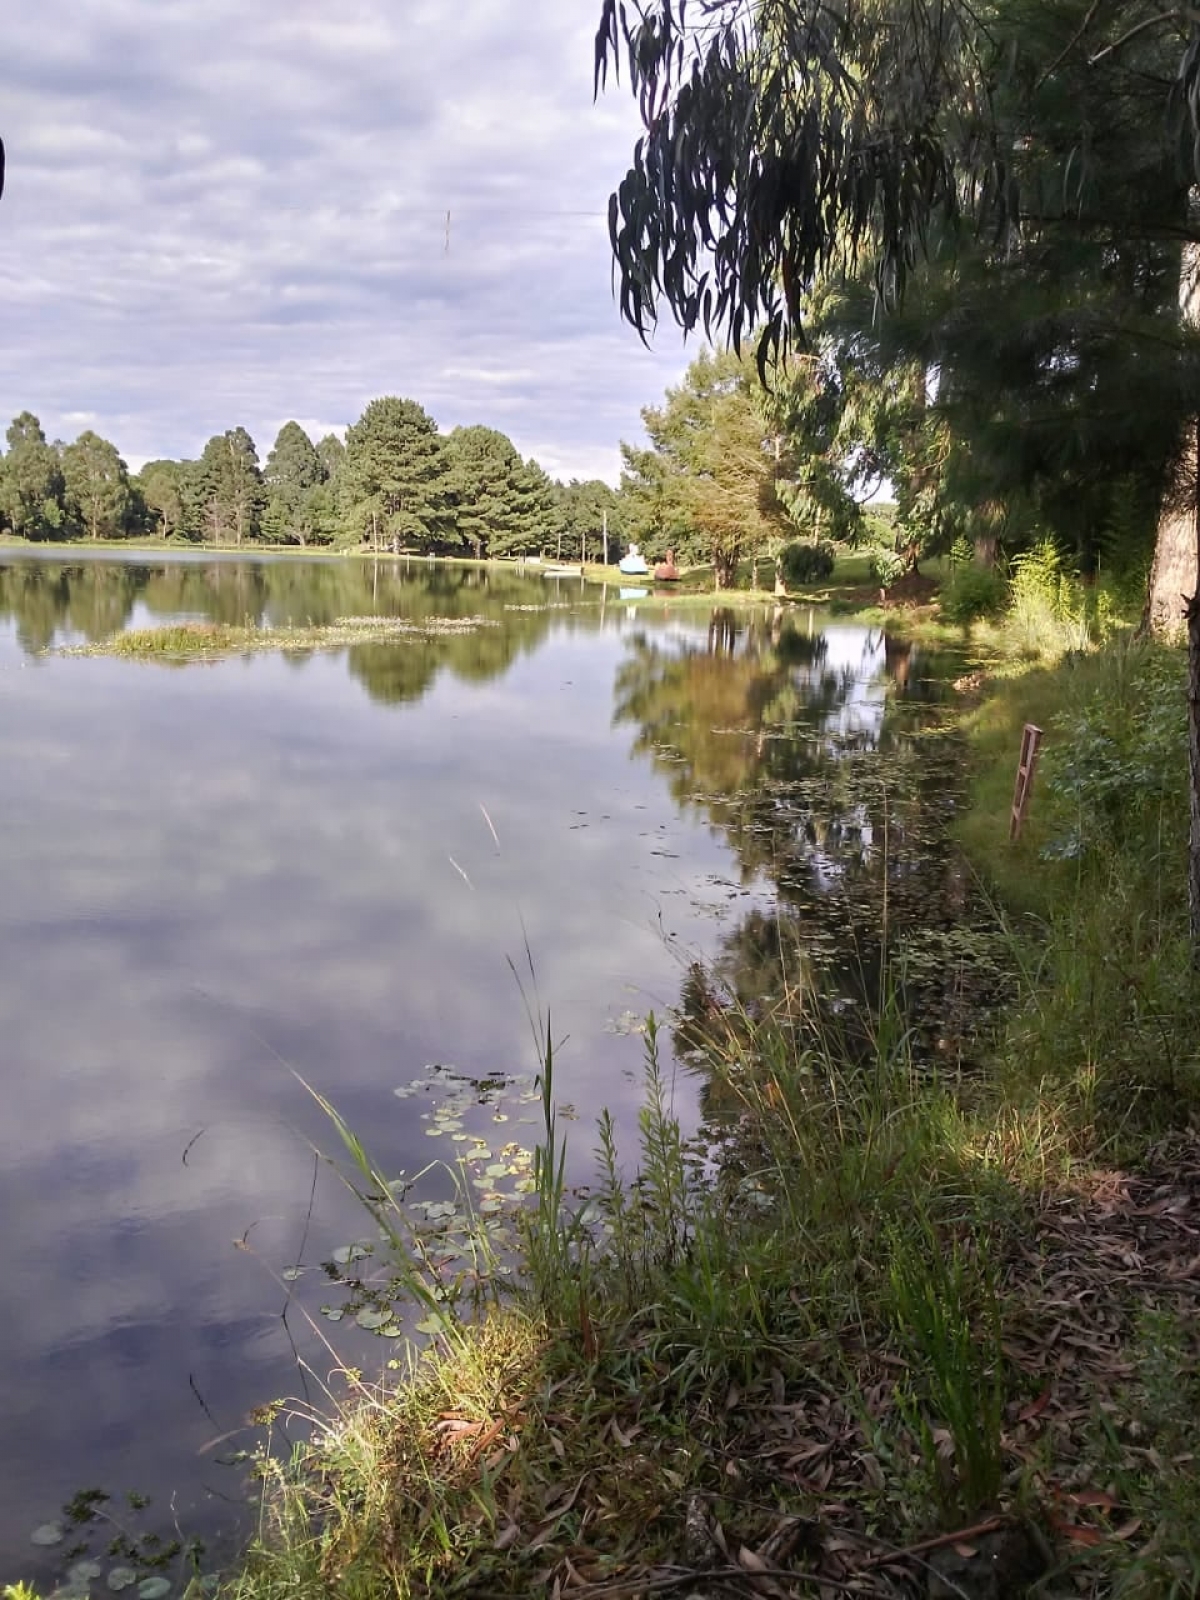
[1173, 596]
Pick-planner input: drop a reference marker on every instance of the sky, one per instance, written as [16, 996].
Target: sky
[223, 212]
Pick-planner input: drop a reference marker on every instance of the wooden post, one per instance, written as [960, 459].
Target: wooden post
[1031, 739]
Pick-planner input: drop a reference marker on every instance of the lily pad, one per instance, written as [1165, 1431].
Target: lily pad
[153, 1588]
[290, 1274]
[48, 1533]
[120, 1578]
[346, 1253]
[82, 1573]
[334, 1313]
[370, 1318]
[430, 1325]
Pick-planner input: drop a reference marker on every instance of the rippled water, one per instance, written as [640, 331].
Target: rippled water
[216, 877]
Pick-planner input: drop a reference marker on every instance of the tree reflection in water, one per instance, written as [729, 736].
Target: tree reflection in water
[825, 760]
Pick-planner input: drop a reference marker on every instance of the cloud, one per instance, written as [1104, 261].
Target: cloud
[220, 214]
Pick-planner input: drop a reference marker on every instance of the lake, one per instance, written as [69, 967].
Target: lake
[217, 879]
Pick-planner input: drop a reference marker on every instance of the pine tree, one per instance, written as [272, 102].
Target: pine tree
[397, 478]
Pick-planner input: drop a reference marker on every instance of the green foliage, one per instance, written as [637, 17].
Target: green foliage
[1105, 1011]
[1154, 1480]
[806, 563]
[96, 482]
[1119, 773]
[225, 489]
[709, 485]
[397, 478]
[581, 512]
[972, 592]
[161, 486]
[500, 505]
[31, 482]
[1048, 613]
[299, 505]
[948, 1317]
[886, 564]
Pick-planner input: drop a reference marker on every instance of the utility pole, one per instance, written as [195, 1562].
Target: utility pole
[606, 536]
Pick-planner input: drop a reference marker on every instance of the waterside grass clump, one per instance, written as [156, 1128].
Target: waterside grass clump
[214, 641]
[896, 1327]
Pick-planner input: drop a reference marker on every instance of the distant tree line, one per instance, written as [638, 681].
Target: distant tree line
[396, 483]
[729, 474]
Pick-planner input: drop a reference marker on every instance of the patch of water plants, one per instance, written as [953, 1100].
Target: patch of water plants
[101, 1546]
[458, 1213]
[211, 641]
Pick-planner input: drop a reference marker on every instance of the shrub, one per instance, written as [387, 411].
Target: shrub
[803, 563]
[971, 592]
[886, 564]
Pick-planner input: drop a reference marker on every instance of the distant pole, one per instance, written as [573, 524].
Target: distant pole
[606, 536]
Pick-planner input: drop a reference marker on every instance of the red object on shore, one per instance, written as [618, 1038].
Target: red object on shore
[666, 571]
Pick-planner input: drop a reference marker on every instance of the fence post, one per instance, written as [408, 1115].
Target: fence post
[1031, 739]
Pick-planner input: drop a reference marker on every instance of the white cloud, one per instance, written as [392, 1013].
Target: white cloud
[218, 214]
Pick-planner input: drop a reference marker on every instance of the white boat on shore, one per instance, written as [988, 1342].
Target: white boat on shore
[562, 571]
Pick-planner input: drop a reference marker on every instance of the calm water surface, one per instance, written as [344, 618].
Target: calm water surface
[216, 877]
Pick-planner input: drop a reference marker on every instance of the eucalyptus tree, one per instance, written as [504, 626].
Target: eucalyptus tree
[96, 483]
[161, 486]
[709, 485]
[31, 481]
[788, 140]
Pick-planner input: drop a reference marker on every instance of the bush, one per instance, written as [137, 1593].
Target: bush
[971, 592]
[886, 565]
[803, 563]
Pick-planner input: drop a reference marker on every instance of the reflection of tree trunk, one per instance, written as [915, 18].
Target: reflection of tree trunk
[722, 633]
[897, 660]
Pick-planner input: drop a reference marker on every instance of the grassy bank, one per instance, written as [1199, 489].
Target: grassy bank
[904, 1329]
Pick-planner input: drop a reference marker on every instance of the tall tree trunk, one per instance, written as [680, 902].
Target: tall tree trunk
[1193, 627]
[1174, 571]
[1173, 596]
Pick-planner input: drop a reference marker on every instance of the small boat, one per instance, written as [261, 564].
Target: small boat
[666, 571]
[562, 571]
[633, 563]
